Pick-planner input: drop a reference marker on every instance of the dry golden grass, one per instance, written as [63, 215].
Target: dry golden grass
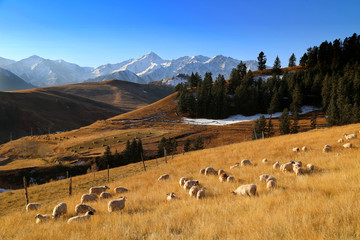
[321, 205]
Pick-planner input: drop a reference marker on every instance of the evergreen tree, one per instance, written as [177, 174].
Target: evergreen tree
[332, 110]
[106, 159]
[277, 66]
[194, 79]
[261, 61]
[292, 60]
[220, 106]
[313, 120]
[296, 103]
[270, 128]
[198, 144]
[284, 126]
[161, 146]
[274, 104]
[140, 149]
[117, 160]
[303, 60]
[295, 125]
[259, 128]
[187, 145]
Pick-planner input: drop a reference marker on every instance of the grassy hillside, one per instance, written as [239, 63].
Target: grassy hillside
[323, 204]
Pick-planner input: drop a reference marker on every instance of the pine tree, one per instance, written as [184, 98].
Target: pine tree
[261, 61]
[270, 128]
[140, 149]
[274, 104]
[284, 122]
[198, 144]
[295, 125]
[161, 146]
[303, 60]
[219, 97]
[277, 66]
[292, 60]
[259, 128]
[187, 145]
[313, 120]
[332, 110]
[296, 103]
[106, 159]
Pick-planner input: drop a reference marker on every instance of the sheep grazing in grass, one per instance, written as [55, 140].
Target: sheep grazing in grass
[304, 149]
[223, 177]
[83, 208]
[42, 218]
[263, 177]
[230, 179]
[220, 172]
[276, 165]
[310, 167]
[246, 162]
[270, 184]
[298, 163]
[116, 205]
[183, 180]
[298, 170]
[88, 198]
[287, 167]
[82, 218]
[235, 166]
[120, 190]
[59, 210]
[190, 183]
[340, 140]
[347, 145]
[202, 171]
[210, 171]
[33, 206]
[200, 194]
[171, 196]
[265, 160]
[245, 190]
[98, 190]
[193, 191]
[163, 177]
[327, 148]
[296, 149]
[350, 136]
[105, 195]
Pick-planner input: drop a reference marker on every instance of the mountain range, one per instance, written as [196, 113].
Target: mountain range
[150, 67]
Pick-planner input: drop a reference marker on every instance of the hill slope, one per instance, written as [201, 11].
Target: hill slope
[323, 204]
[11, 82]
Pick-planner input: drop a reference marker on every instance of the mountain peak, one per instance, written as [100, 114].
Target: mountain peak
[152, 56]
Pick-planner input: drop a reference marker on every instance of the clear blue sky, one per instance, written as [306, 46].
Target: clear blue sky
[91, 33]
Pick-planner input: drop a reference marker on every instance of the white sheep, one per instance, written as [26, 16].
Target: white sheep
[327, 148]
[295, 149]
[230, 179]
[116, 205]
[83, 208]
[98, 190]
[304, 149]
[298, 163]
[287, 167]
[163, 177]
[271, 178]
[340, 140]
[210, 170]
[347, 145]
[265, 160]
[200, 194]
[310, 167]
[246, 190]
[183, 180]
[270, 184]
[263, 177]
[171, 196]
[276, 165]
[350, 136]
[59, 210]
[235, 166]
[246, 162]
[189, 183]
[120, 190]
[298, 170]
[33, 206]
[42, 218]
[105, 195]
[88, 198]
[202, 171]
[193, 191]
[82, 218]
[220, 172]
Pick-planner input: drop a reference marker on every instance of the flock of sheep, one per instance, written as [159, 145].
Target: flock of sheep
[190, 185]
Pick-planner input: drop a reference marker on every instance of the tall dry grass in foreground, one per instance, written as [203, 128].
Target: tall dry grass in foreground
[321, 205]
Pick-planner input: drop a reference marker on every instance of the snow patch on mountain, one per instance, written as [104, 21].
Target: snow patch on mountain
[119, 75]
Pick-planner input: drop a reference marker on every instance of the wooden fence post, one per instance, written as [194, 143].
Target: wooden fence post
[142, 158]
[108, 173]
[26, 192]
[165, 155]
[70, 186]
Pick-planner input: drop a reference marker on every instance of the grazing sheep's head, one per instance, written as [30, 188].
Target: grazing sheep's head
[233, 192]
[292, 162]
[90, 213]
[37, 215]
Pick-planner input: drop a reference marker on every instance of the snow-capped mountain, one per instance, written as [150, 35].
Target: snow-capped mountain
[4, 62]
[11, 82]
[120, 75]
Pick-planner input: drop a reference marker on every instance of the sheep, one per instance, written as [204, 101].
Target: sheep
[270, 184]
[347, 145]
[83, 208]
[116, 205]
[327, 148]
[202, 171]
[298, 170]
[33, 206]
[230, 179]
[350, 136]
[249, 190]
[193, 191]
[287, 167]
[200, 194]
[210, 170]
[295, 149]
[304, 149]
[163, 177]
[82, 218]
[60, 209]
[266, 178]
[223, 177]
[171, 196]
[183, 180]
[98, 190]
[105, 195]
[220, 172]
[235, 166]
[310, 167]
[298, 163]
[246, 162]
[88, 198]
[276, 165]
[120, 190]
[265, 160]
[340, 140]
[42, 218]
[188, 184]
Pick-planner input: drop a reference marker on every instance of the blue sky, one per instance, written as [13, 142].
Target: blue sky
[91, 33]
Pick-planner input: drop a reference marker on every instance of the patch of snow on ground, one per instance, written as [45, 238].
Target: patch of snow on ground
[4, 190]
[239, 118]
